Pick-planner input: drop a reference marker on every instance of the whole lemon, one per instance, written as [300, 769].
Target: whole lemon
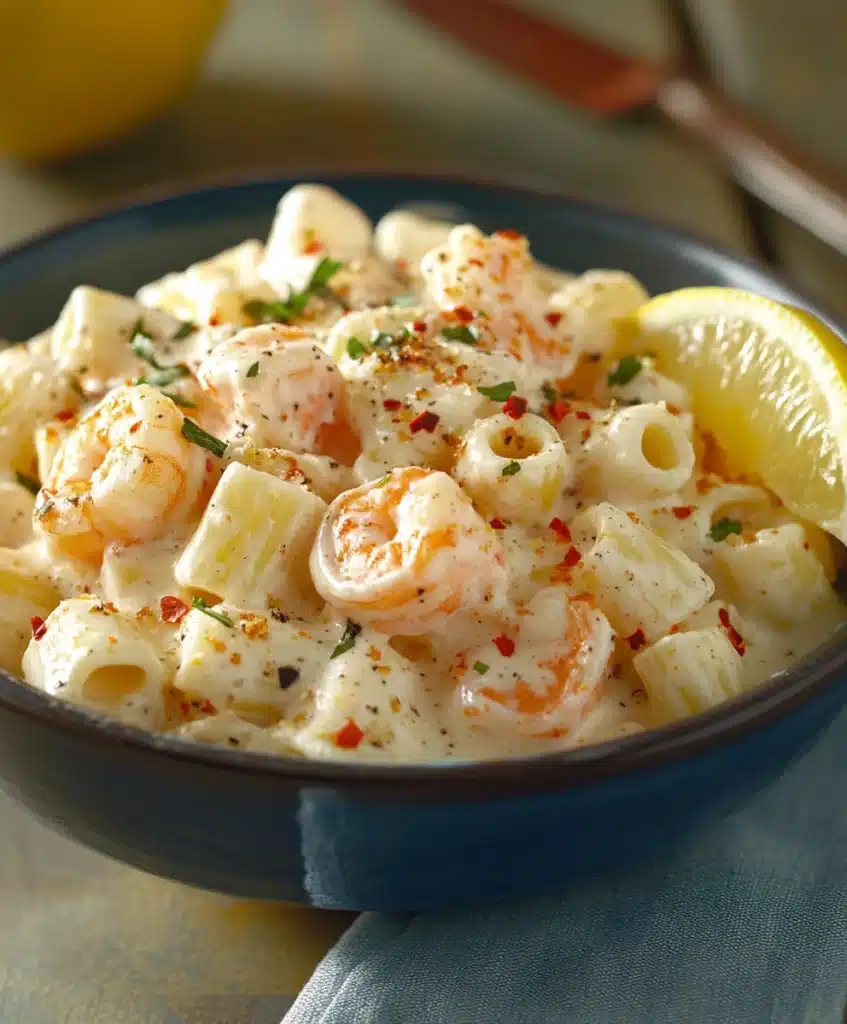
[77, 73]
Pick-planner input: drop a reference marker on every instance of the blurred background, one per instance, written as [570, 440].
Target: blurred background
[293, 84]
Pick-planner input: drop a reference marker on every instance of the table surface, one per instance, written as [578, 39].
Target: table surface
[333, 83]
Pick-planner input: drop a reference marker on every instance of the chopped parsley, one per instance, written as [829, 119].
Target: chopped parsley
[355, 348]
[160, 376]
[254, 370]
[381, 339]
[33, 486]
[184, 329]
[351, 631]
[723, 528]
[499, 392]
[282, 311]
[180, 400]
[511, 469]
[480, 667]
[197, 435]
[465, 335]
[201, 606]
[627, 369]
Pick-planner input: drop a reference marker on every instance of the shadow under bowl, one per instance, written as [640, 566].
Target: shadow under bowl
[388, 837]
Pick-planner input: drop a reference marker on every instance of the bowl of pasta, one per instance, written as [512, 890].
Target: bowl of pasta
[396, 554]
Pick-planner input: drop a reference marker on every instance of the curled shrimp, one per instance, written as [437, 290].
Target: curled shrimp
[407, 552]
[124, 475]
[276, 387]
[545, 678]
[490, 284]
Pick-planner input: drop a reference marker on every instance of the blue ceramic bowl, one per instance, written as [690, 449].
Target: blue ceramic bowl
[379, 836]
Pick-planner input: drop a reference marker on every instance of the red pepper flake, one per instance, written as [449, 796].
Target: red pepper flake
[674, 410]
[474, 262]
[209, 465]
[805, 545]
[184, 708]
[173, 610]
[553, 319]
[497, 524]
[312, 247]
[206, 707]
[463, 314]
[683, 511]
[214, 320]
[419, 326]
[38, 627]
[505, 645]
[508, 233]
[583, 415]
[732, 634]
[135, 427]
[558, 410]
[674, 628]
[391, 404]
[515, 406]
[427, 421]
[349, 736]
[65, 415]
[572, 558]
[561, 529]
[637, 640]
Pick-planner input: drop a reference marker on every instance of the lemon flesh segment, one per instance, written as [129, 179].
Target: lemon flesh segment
[767, 381]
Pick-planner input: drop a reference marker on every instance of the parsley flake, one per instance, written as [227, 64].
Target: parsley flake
[510, 469]
[33, 486]
[281, 311]
[627, 369]
[465, 335]
[180, 400]
[254, 370]
[723, 528]
[200, 605]
[184, 329]
[351, 631]
[480, 667]
[499, 392]
[355, 348]
[197, 435]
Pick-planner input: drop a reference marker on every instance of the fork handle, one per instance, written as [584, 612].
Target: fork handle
[769, 167]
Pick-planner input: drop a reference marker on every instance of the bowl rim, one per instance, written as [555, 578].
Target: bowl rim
[559, 770]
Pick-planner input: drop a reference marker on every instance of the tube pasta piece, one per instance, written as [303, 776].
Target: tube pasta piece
[403, 238]
[607, 720]
[321, 474]
[125, 474]
[313, 222]
[406, 553]
[262, 667]
[26, 593]
[394, 709]
[31, 391]
[493, 279]
[227, 729]
[135, 577]
[514, 469]
[639, 581]
[595, 305]
[687, 673]
[278, 389]
[92, 336]
[16, 503]
[374, 331]
[212, 290]
[645, 451]
[90, 654]
[252, 545]
[777, 576]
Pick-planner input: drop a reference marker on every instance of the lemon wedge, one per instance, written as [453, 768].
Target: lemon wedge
[768, 382]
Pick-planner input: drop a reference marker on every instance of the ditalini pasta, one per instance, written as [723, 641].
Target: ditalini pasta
[382, 492]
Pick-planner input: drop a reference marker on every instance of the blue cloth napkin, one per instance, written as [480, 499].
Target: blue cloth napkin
[744, 925]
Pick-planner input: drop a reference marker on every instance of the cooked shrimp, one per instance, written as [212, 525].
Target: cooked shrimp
[125, 475]
[490, 285]
[280, 390]
[545, 677]
[407, 552]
